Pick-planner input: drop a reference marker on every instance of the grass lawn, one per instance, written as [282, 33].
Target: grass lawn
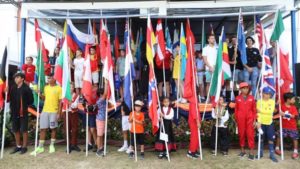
[114, 159]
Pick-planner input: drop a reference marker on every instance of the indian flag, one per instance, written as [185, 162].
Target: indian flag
[62, 72]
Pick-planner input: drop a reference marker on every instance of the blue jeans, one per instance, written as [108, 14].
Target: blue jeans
[251, 78]
[238, 76]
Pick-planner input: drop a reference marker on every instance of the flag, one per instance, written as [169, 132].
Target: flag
[217, 79]
[279, 36]
[259, 32]
[152, 92]
[241, 39]
[183, 53]
[168, 40]
[3, 75]
[39, 73]
[87, 77]
[129, 70]
[138, 50]
[62, 73]
[175, 38]
[225, 64]
[116, 43]
[203, 38]
[103, 40]
[161, 48]
[76, 39]
[38, 39]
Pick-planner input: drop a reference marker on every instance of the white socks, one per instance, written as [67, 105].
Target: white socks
[125, 144]
[295, 151]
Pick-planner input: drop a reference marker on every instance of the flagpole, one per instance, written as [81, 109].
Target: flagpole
[202, 38]
[86, 132]
[106, 118]
[162, 122]
[217, 128]
[5, 101]
[67, 128]
[206, 102]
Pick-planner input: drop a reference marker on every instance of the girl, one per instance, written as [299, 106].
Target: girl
[220, 113]
[100, 121]
[166, 116]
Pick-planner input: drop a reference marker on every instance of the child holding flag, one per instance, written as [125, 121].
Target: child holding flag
[265, 109]
[137, 119]
[245, 116]
[289, 123]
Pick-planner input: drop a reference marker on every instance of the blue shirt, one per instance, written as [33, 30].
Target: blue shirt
[200, 65]
[101, 104]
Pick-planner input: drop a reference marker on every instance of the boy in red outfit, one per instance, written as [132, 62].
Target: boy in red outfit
[289, 115]
[194, 121]
[245, 116]
[29, 70]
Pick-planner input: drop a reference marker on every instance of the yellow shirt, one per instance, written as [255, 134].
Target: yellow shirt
[176, 67]
[53, 96]
[265, 110]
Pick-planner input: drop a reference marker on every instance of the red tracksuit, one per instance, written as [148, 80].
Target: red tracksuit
[194, 141]
[245, 115]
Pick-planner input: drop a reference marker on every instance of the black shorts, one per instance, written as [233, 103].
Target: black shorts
[140, 137]
[160, 75]
[20, 124]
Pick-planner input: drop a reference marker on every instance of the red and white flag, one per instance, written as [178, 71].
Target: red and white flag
[161, 46]
[87, 77]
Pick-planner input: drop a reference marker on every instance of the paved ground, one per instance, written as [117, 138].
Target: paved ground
[120, 160]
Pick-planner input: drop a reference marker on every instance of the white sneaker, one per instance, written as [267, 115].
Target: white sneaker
[128, 151]
[123, 148]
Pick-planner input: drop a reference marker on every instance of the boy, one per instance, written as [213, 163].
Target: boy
[78, 71]
[125, 126]
[94, 59]
[20, 98]
[245, 115]
[200, 72]
[289, 115]
[136, 118]
[265, 109]
[50, 114]
[120, 69]
[29, 70]
[100, 121]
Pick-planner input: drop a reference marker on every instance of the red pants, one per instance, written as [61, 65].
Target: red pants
[246, 130]
[73, 127]
[194, 141]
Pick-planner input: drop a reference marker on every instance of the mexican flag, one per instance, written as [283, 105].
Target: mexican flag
[279, 36]
[62, 72]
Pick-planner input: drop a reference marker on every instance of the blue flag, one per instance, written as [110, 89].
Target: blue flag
[242, 40]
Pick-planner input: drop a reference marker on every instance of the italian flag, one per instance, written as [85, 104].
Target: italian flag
[62, 72]
[222, 69]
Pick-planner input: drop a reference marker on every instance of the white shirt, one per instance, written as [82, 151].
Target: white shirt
[211, 54]
[222, 119]
[78, 64]
[165, 111]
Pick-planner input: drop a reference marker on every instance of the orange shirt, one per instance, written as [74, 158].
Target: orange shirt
[139, 128]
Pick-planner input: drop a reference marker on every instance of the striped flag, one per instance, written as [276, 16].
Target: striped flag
[225, 64]
[152, 92]
[241, 39]
[259, 32]
[161, 47]
[183, 53]
[87, 77]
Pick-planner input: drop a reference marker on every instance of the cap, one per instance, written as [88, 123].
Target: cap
[138, 103]
[244, 84]
[267, 90]
[19, 74]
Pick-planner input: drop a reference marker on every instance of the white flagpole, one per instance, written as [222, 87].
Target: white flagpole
[217, 128]
[206, 102]
[106, 120]
[5, 101]
[67, 128]
[164, 76]
[86, 132]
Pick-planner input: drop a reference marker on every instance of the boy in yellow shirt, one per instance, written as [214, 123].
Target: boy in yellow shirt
[265, 108]
[50, 114]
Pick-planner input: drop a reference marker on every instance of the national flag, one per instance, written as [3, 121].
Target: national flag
[103, 40]
[116, 42]
[190, 81]
[87, 77]
[203, 38]
[39, 73]
[175, 38]
[38, 39]
[62, 73]
[76, 39]
[279, 35]
[168, 40]
[152, 92]
[217, 78]
[129, 70]
[259, 32]
[161, 47]
[241, 39]
[225, 64]
[3, 75]
[183, 53]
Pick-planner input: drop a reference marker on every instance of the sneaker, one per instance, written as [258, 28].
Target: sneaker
[142, 156]
[251, 157]
[75, 148]
[90, 147]
[191, 155]
[51, 149]
[242, 154]
[23, 150]
[128, 151]
[95, 148]
[273, 158]
[261, 156]
[123, 148]
[131, 155]
[38, 150]
[17, 149]
[225, 153]
[295, 156]
[278, 152]
[197, 154]
[99, 152]
[161, 155]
